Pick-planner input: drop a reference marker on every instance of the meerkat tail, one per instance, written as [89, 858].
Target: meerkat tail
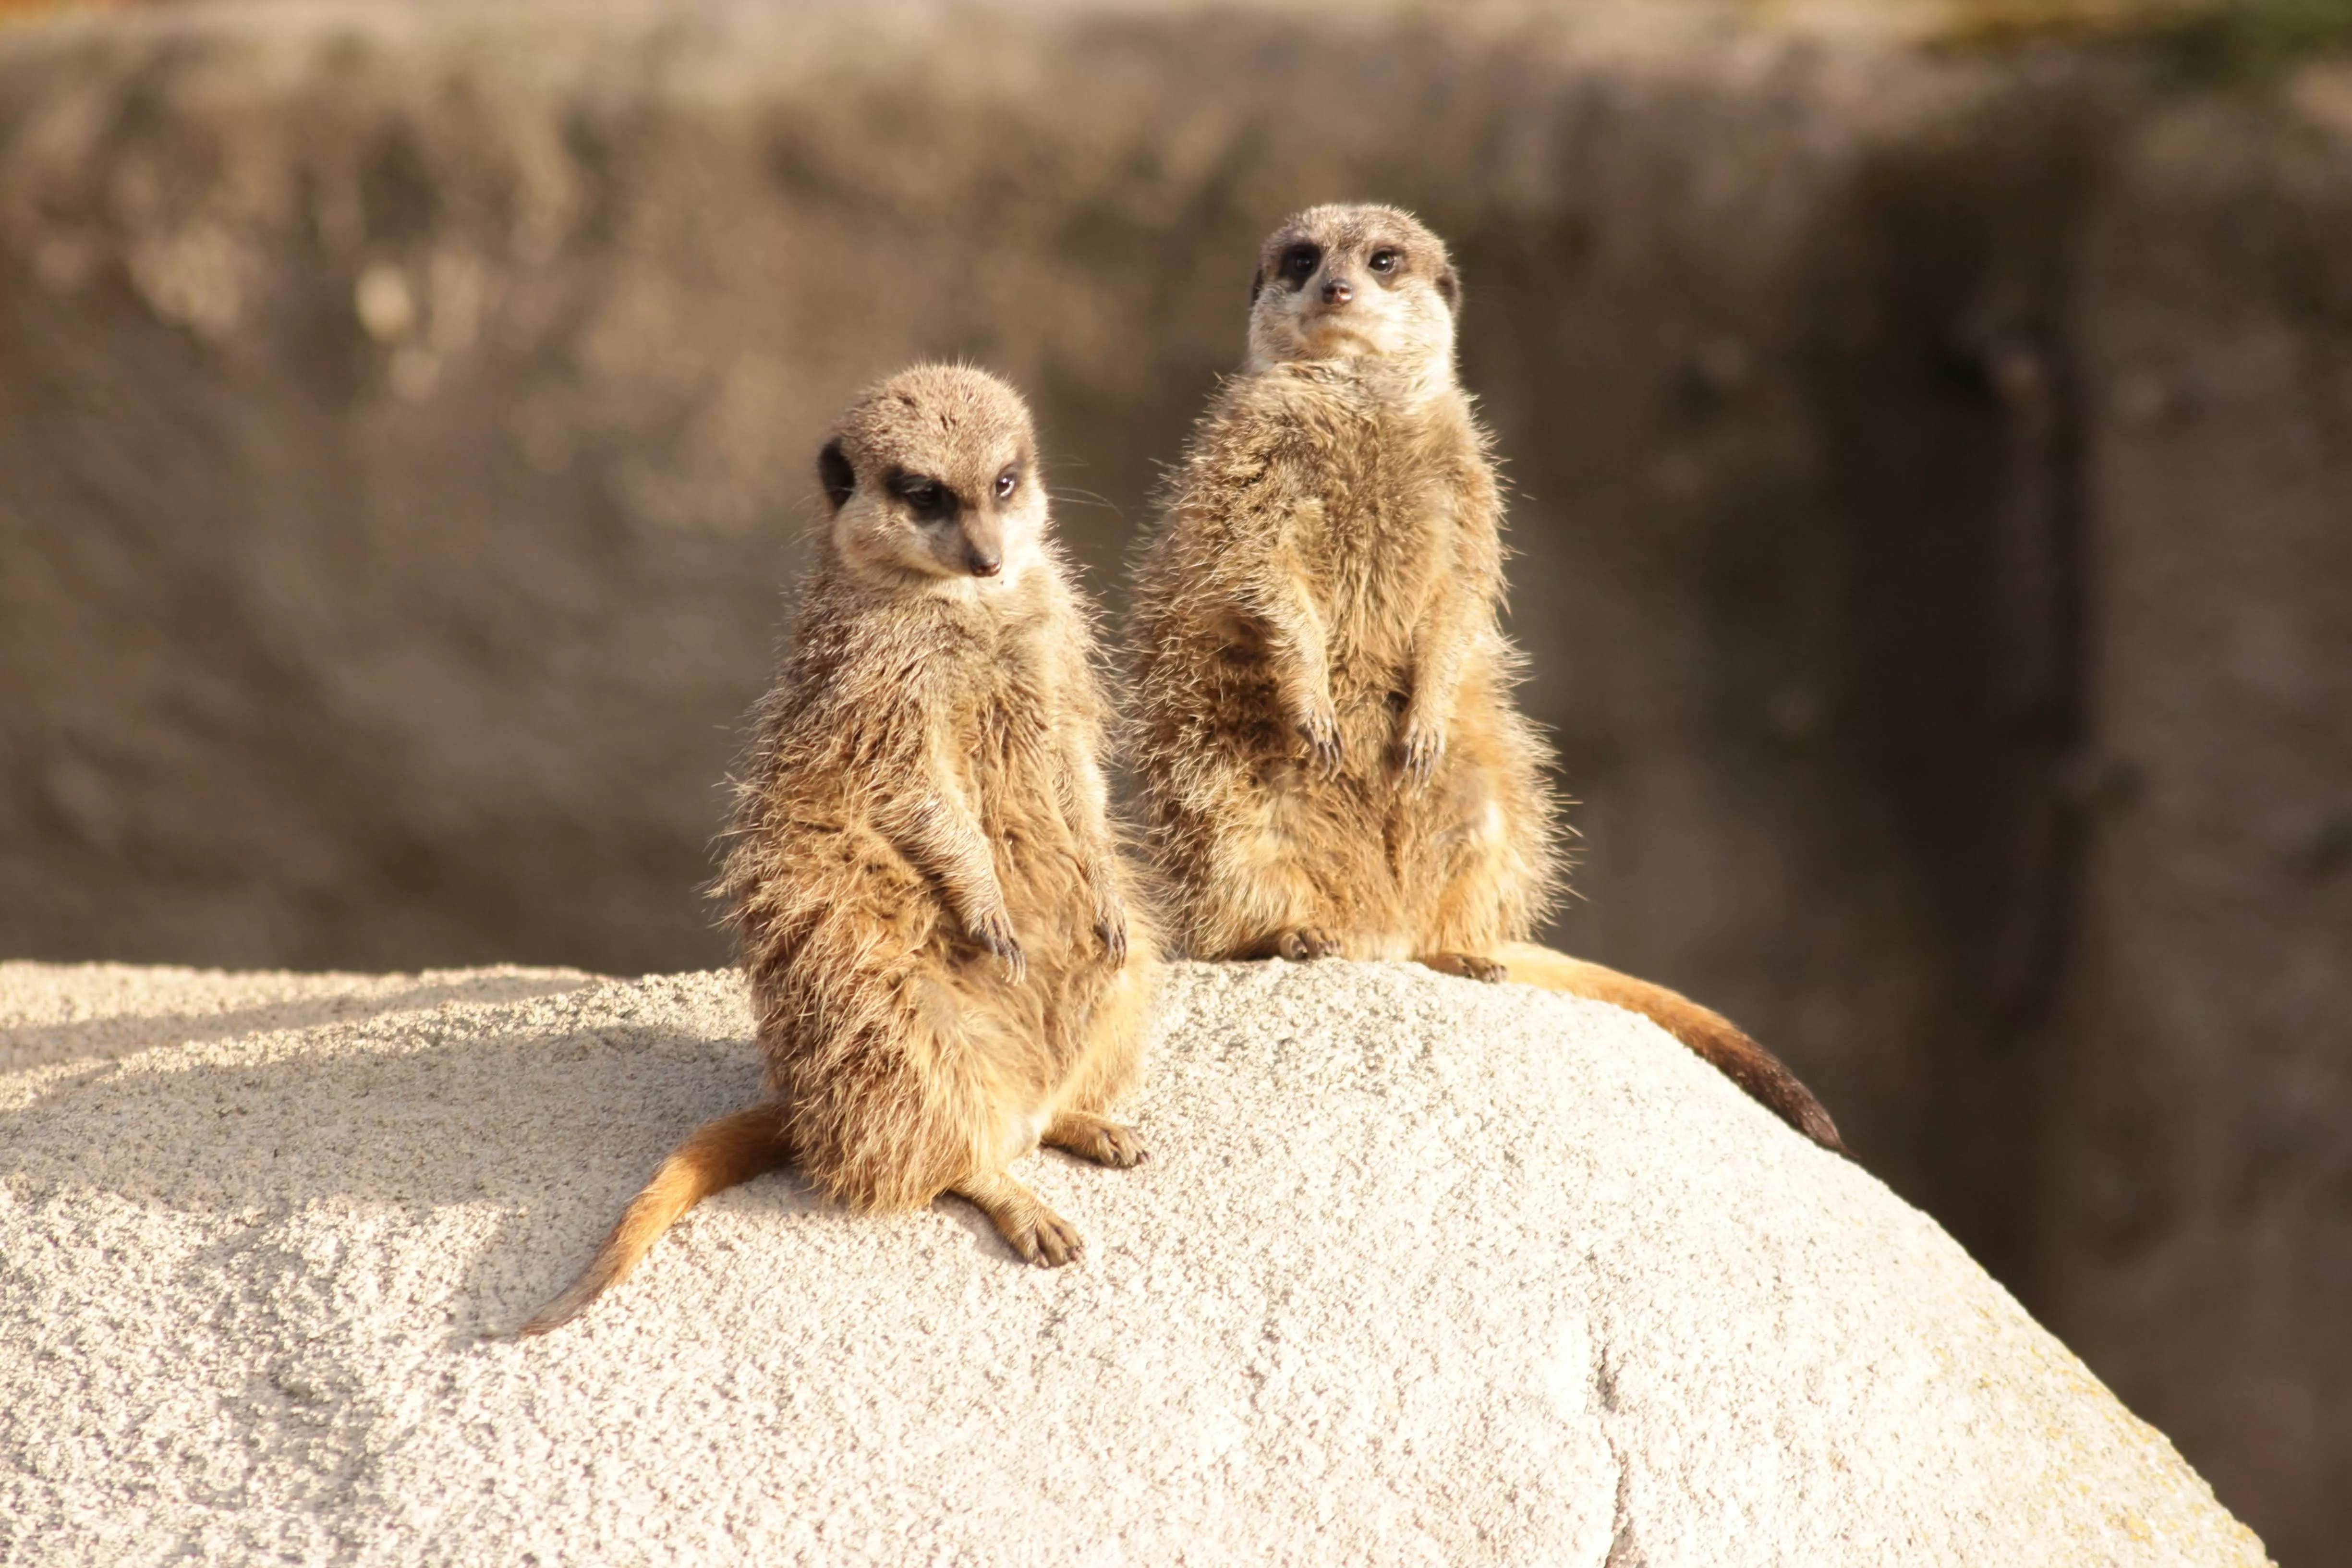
[1710, 1036]
[715, 1156]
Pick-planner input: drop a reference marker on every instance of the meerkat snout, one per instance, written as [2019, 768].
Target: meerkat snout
[983, 548]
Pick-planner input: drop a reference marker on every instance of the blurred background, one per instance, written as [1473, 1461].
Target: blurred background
[1930, 428]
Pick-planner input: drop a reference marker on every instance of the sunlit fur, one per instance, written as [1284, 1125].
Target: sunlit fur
[946, 962]
[1324, 737]
[1327, 574]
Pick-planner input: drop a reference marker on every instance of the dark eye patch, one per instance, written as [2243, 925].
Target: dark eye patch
[929, 500]
[1387, 260]
[1008, 481]
[1299, 262]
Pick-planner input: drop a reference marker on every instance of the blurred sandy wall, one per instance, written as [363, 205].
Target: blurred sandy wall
[1931, 471]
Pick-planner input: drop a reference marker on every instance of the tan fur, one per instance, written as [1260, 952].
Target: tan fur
[1324, 737]
[947, 961]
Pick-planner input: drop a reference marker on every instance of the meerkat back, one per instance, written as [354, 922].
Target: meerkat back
[1324, 743]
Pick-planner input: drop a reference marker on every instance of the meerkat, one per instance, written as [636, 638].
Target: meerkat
[1324, 739]
[947, 961]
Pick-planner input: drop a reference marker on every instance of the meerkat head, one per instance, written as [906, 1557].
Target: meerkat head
[932, 476]
[1355, 282]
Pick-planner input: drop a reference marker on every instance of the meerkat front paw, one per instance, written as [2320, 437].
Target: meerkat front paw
[1308, 943]
[1110, 925]
[1320, 727]
[1468, 965]
[1418, 751]
[993, 930]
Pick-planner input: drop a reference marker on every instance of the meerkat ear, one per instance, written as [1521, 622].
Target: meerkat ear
[832, 470]
[1449, 283]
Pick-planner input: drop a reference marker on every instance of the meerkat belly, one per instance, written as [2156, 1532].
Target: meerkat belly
[1371, 693]
[1369, 621]
[1043, 868]
[1047, 895]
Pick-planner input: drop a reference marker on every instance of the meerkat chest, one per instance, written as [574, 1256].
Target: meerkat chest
[1380, 527]
[1011, 747]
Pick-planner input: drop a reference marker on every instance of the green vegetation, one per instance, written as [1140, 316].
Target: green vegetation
[2208, 40]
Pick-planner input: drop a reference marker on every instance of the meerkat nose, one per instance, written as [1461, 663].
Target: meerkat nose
[1337, 293]
[986, 562]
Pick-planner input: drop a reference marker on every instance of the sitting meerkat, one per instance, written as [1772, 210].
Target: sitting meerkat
[1324, 737]
[946, 961]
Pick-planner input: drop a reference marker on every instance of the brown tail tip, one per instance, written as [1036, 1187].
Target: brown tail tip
[568, 1305]
[1769, 1082]
[1759, 1074]
[715, 1156]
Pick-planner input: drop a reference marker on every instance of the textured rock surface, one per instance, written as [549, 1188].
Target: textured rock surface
[1422, 1271]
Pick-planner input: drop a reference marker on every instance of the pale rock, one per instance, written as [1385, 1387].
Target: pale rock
[1420, 1271]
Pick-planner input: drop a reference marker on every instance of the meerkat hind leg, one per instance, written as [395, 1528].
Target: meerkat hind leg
[1097, 1138]
[1035, 1232]
[1306, 942]
[1468, 965]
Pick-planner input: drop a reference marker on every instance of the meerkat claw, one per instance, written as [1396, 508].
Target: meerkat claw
[1324, 746]
[994, 933]
[1112, 930]
[1419, 753]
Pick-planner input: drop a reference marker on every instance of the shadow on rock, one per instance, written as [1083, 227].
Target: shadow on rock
[535, 1139]
[121, 1033]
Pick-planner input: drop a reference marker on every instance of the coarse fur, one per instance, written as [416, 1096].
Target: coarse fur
[948, 962]
[1324, 737]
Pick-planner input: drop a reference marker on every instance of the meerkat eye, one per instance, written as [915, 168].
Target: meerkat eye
[1386, 259]
[1299, 262]
[929, 500]
[1007, 482]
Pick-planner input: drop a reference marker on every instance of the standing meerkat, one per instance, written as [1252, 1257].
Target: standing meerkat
[1324, 737]
[946, 961]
